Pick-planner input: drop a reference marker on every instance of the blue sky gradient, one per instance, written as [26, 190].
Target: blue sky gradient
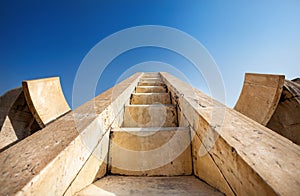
[50, 38]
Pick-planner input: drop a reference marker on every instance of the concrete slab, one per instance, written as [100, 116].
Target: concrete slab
[150, 98]
[150, 116]
[125, 185]
[150, 89]
[150, 151]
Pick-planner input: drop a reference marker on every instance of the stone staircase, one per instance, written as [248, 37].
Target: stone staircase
[150, 154]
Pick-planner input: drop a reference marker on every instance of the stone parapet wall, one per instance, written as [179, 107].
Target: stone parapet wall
[51, 160]
[232, 152]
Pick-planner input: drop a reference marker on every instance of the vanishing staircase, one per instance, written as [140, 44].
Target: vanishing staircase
[150, 154]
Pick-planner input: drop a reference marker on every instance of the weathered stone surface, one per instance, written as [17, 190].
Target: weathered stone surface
[286, 118]
[150, 84]
[16, 120]
[253, 159]
[57, 153]
[272, 101]
[260, 96]
[94, 168]
[297, 80]
[151, 75]
[229, 151]
[206, 169]
[123, 185]
[150, 98]
[150, 80]
[150, 89]
[150, 151]
[45, 99]
[150, 116]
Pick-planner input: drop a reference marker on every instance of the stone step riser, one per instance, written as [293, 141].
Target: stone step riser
[150, 116]
[151, 84]
[151, 79]
[151, 76]
[150, 153]
[150, 89]
[150, 98]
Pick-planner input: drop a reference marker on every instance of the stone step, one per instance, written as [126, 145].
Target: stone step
[151, 84]
[155, 115]
[150, 89]
[150, 80]
[136, 186]
[151, 75]
[154, 151]
[150, 98]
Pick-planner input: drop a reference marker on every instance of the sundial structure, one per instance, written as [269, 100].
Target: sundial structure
[151, 134]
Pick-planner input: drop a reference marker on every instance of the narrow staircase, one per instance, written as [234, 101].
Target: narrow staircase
[150, 154]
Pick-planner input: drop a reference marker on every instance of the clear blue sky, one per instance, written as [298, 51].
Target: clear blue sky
[50, 38]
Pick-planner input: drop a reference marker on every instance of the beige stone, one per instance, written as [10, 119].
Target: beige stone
[229, 151]
[150, 80]
[150, 116]
[150, 84]
[253, 159]
[150, 89]
[150, 98]
[286, 118]
[206, 169]
[126, 185]
[45, 99]
[151, 75]
[150, 151]
[47, 162]
[16, 120]
[260, 96]
[94, 168]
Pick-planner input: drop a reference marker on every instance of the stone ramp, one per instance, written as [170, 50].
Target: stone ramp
[127, 185]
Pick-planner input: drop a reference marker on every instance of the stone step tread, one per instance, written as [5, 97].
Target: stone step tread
[128, 185]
